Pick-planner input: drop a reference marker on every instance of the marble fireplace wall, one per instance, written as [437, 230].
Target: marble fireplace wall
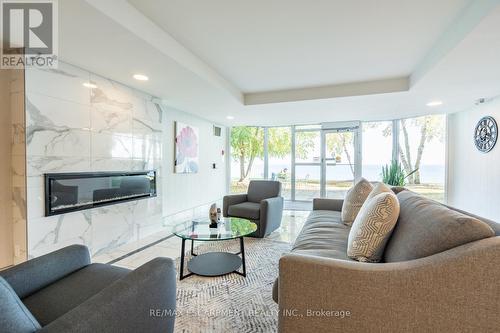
[73, 128]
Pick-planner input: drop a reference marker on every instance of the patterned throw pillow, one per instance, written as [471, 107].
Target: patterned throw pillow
[379, 188]
[373, 227]
[354, 199]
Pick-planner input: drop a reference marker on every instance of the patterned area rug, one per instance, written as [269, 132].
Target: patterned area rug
[232, 303]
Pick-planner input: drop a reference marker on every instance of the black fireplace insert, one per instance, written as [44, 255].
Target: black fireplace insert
[69, 192]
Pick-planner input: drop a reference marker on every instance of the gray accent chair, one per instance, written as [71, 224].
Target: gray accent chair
[262, 204]
[64, 292]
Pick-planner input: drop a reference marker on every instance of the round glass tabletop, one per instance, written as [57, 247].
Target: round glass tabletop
[227, 228]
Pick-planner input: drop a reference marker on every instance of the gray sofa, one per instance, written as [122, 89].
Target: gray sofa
[320, 289]
[262, 204]
[64, 292]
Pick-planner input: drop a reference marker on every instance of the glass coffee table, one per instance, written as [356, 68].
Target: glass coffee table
[214, 263]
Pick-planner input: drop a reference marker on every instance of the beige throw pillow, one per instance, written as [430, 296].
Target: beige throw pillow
[354, 199]
[373, 227]
[379, 188]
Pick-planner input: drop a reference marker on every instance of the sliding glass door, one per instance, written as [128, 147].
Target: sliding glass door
[307, 166]
[326, 160]
[339, 162]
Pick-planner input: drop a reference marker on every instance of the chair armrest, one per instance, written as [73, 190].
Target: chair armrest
[271, 212]
[141, 301]
[455, 290]
[35, 274]
[328, 204]
[230, 200]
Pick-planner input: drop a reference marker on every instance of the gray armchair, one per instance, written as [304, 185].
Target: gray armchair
[262, 204]
[63, 292]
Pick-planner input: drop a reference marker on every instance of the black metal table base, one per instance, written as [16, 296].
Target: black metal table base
[213, 263]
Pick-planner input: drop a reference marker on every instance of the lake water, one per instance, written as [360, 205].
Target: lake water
[428, 173]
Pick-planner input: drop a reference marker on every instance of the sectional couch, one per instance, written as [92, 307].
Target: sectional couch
[320, 289]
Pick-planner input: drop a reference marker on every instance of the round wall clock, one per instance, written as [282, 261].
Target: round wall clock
[486, 134]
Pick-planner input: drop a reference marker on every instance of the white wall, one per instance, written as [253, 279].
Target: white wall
[473, 177]
[186, 191]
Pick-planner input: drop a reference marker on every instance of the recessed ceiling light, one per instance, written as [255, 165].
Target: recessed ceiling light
[90, 85]
[435, 103]
[140, 77]
[229, 117]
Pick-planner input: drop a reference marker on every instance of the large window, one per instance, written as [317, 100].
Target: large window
[324, 160]
[307, 183]
[247, 156]
[340, 166]
[377, 148]
[280, 157]
[422, 154]
[307, 163]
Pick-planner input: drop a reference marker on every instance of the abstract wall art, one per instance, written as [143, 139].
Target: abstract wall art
[186, 148]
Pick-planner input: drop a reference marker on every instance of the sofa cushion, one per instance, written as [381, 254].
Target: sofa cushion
[354, 199]
[323, 235]
[426, 227]
[15, 317]
[67, 293]
[373, 226]
[248, 210]
[259, 190]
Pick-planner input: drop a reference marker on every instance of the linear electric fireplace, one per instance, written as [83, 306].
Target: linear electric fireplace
[69, 192]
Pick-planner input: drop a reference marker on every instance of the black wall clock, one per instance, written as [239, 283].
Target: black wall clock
[486, 134]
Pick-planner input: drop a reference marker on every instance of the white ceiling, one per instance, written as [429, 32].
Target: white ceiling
[263, 45]
[287, 62]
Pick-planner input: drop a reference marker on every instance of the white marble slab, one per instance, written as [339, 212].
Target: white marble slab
[112, 145]
[36, 200]
[49, 233]
[112, 226]
[49, 112]
[109, 119]
[146, 149]
[61, 142]
[37, 166]
[65, 82]
[111, 93]
[111, 164]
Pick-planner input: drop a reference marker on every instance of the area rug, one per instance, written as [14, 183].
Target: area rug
[232, 303]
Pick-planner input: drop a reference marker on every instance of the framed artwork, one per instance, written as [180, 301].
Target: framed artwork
[186, 148]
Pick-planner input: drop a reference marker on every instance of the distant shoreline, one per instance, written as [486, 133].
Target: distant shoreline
[433, 174]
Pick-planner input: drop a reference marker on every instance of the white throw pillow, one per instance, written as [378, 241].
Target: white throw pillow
[354, 199]
[373, 227]
[379, 188]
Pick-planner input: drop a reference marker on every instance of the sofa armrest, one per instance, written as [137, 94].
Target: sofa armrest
[141, 301]
[455, 290]
[230, 200]
[35, 274]
[271, 212]
[328, 204]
